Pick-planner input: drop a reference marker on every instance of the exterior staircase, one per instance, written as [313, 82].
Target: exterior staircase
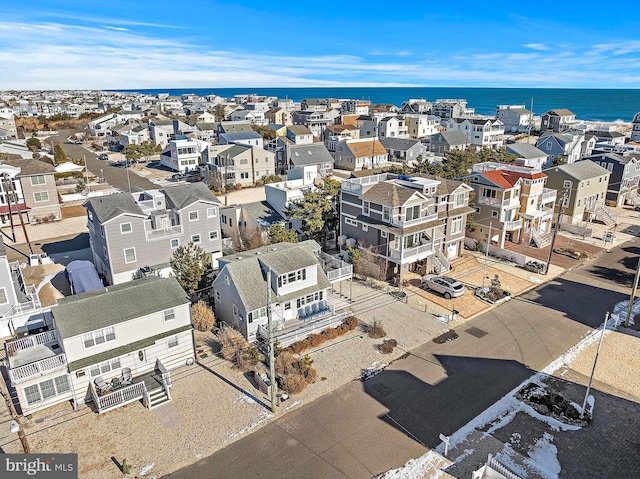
[539, 238]
[604, 214]
[156, 397]
[440, 263]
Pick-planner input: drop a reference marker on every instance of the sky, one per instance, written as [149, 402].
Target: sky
[65, 44]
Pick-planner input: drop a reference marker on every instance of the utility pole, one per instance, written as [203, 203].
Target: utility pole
[226, 179]
[272, 359]
[9, 196]
[486, 254]
[595, 361]
[14, 194]
[555, 230]
[86, 173]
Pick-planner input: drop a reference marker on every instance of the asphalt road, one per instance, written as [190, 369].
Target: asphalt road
[363, 429]
[116, 177]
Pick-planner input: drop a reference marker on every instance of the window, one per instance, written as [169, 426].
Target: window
[477, 209]
[218, 296]
[3, 296]
[169, 315]
[213, 235]
[175, 242]
[193, 215]
[456, 225]
[244, 175]
[32, 393]
[195, 239]
[125, 228]
[458, 200]
[172, 342]
[365, 207]
[38, 180]
[105, 367]
[62, 384]
[412, 212]
[211, 213]
[351, 222]
[494, 214]
[130, 255]
[365, 227]
[383, 234]
[386, 213]
[549, 146]
[41, 196]
[235, 310]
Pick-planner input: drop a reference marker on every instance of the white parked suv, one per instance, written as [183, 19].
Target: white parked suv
[448, 287]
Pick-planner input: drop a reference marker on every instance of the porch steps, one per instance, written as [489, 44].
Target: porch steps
[604, 214]
[440, 263]
[157, 397]
[540, 239]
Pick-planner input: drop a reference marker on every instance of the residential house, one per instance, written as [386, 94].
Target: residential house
[183, 154]
[367, 124]
[405, 150]
[449, 108]
[355, 107]
[419, 106]
[480, 132]
[412, 223]
[278, 115]
[512, 202]
[38, 188]
[625, 176]
[299, 134]
[124, 351]
[393, 127]
[363, 154]
[135, 135]
[249, 138]
[8, 128]
[583, 186]
[133, 233]
[444, 141]
[635, 128]
[282, 194]
[566, 147]
[288, 279]
[237, 163]
[253, 116]
[243, 222]
[234, 127]
[422, 126]
[99, 127]
[319, 104]
[515, 118]
[313, 155]
[557, 120]
[205, 117]
[206, 132]
[334, 134]
[161, 131]
[12, 200]
[528, 155]
[316, 121]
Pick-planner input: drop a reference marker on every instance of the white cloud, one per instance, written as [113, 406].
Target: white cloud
[110, 56]
[536, 46]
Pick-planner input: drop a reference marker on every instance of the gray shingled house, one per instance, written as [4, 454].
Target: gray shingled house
[123, 351]
[130, 233]
[296, 278]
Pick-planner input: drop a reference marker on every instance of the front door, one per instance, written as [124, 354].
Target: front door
[452, 250]
[142, 361]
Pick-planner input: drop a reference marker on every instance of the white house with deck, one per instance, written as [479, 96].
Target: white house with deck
[111, 346]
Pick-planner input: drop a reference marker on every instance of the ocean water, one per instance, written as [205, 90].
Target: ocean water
[606, 105]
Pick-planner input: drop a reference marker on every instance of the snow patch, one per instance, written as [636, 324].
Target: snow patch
[544, 457]
[429, 462]
[533, 279]
[373, 370]
[264, 416]
[145, 470]
[505, 457]
[243, 398]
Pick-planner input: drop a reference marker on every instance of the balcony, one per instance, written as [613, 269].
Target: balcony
[486, 200]
[38, 368]
[34, 355]
[399, 222]
[512, 225]
[335, 269]
[407, 255]
[548, 196]
[162, 233]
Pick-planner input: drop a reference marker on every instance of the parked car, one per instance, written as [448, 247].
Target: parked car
[103, 156]
[448, 287]
[636, 207]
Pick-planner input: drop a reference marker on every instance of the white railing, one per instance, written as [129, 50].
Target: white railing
[512, 225]
[287, 338]
[444, 262]
[404, 223]
[416, 253]
[498, 467]
[120, 397]
[161, 233]
[548, 195]
[339, 274]
[38, 368]
[29, 342]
